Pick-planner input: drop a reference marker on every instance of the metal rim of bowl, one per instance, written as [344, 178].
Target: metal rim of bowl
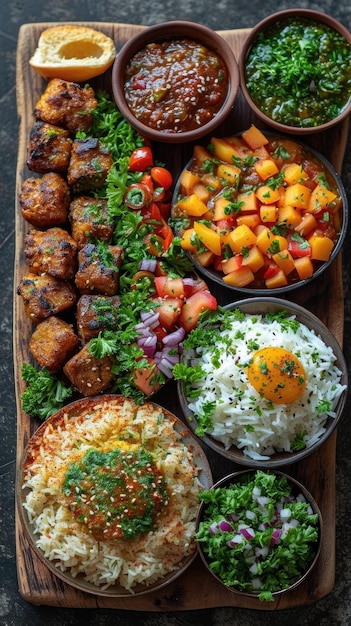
[279, 459]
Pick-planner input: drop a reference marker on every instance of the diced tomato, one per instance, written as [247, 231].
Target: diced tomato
[199, 285]
[298, 247]
[225, 225]
[166, 232]
[152, 214]
[144, 379]
[165, 209]
[194, 306]
[218, 264]
[141, 159]
[160, 333]
[272, 270]
[162, 177]
[148, 182]
[169, 310]
[173, 287]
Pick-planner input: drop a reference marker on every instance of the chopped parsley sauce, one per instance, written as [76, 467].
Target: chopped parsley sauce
[298, 72]
[116, 494]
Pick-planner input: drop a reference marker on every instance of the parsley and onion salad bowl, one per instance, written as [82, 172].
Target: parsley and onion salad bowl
[259, 533]
[260, 213]
[176, 81]
[295, 71]
[108, 495]
[262, 381]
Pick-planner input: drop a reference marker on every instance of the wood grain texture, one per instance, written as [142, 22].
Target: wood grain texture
[194, 589]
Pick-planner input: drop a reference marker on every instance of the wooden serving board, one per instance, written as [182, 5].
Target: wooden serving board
[195, 589]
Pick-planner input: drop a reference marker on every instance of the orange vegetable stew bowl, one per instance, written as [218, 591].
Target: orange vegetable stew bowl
[259, 212]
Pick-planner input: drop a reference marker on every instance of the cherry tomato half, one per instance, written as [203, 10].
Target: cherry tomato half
[162, 177]
[141, 159]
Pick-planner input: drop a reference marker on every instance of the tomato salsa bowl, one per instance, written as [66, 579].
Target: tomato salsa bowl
[259, 213]
[295, 71]
[259, 533]
[176, 81]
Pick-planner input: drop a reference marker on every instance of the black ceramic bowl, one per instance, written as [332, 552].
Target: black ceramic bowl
[207, 181]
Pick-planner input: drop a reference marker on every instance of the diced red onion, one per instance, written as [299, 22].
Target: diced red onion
[235, 540]
[148, 265]
[150, 319]
[174, 338]
[250, 515]
[163, 366]
[148, 344]
[275, 538]
[225, 526]
[248, 533]
[213, 528]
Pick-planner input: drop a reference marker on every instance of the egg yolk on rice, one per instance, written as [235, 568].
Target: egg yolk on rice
[277, 375]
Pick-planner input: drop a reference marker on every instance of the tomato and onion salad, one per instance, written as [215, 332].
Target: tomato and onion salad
[259, 211]
[176, 85]
[258, 534]
[298, 72]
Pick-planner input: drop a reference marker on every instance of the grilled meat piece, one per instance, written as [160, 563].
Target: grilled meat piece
[52, 343]
[49, 148]
[45, 295]
[45, 201]
[66, 104]
[88, 218]
[52, 252]
[95, 314]
[89, 374]
[89, 165]
[98, 269]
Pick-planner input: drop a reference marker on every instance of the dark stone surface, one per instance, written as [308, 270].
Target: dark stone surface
[335, 609]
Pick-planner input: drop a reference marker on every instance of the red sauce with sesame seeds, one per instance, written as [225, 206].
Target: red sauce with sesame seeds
[115, 494]
[175, 86]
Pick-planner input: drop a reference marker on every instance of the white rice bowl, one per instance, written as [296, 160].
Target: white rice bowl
[113, 567]
[240, 418]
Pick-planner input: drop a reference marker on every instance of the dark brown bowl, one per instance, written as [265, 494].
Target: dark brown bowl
[253, 306]
[159, 33]
[296, 489]
[281, 17]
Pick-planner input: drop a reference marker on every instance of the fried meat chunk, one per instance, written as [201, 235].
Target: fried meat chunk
[52, 251]
[53, 343]
[67, 104]
[45, 295]
[89, 165]
[89, 219]
[98, 269]
[89, 374]
[49, 148]
[45, 201]
[95, 314]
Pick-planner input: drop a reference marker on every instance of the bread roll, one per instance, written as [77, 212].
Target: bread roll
[74, 53]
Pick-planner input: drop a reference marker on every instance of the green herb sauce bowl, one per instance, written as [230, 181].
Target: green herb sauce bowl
[295, 71]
